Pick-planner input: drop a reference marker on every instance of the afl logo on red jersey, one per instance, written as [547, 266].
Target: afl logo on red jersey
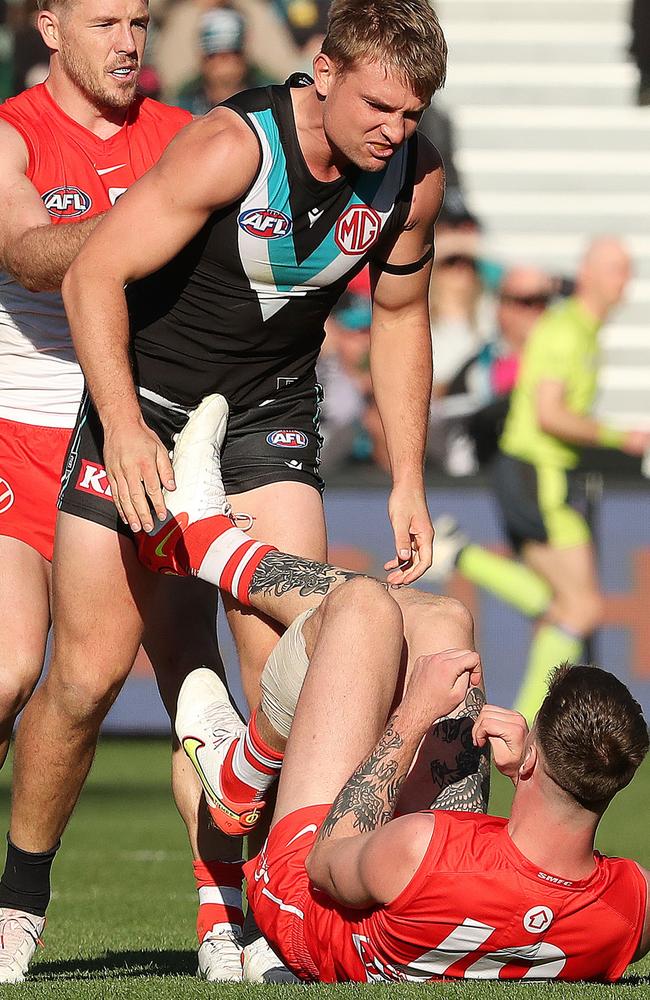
[357, 229]
[67, 202]
[265, 223]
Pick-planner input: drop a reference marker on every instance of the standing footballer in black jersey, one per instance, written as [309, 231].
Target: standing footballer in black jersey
[235, 247]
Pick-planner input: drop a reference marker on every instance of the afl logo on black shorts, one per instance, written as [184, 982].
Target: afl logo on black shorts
[67, 202]
[265, 223]
[287, 439]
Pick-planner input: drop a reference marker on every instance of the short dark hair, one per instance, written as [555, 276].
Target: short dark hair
[591, 733]
[403, 35]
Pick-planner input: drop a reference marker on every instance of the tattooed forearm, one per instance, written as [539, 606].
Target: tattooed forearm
[279, 573]
[459, 769]
[369, 796]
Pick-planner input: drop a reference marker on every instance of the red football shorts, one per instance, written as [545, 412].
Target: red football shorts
[278, 886]
[31, 460]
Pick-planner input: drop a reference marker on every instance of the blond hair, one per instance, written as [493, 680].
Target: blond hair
[403, 35]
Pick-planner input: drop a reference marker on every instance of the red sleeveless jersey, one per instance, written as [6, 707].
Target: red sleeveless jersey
[76, 173]
[478, 909]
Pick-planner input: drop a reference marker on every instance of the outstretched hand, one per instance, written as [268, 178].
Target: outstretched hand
[506, 732]
[413, 531]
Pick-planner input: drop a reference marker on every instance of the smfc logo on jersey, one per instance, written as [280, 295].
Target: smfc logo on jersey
[287, 439]
[357, 229]
[67, 202]
[265, 223]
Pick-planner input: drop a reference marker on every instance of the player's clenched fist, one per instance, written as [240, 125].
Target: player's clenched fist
[506, 732]
[439, 682]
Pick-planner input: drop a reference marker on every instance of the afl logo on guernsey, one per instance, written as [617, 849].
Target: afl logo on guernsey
[287, 439]
[67, 202]
[265, 223]
[357, 229]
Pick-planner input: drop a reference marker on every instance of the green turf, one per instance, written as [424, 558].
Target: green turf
[121, 922]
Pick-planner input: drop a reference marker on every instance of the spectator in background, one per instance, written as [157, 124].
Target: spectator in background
[268, 44]
[30, 63]
[306, 21]
[344, 373]
[487, 379]
[224, 71]
[640, 47]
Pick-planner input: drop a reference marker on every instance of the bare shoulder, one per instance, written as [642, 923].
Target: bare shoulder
[429, 184]
[217, 152]
[14, 154]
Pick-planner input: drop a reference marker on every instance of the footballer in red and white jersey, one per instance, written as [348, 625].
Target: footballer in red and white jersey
[476, 908]
[77, 175]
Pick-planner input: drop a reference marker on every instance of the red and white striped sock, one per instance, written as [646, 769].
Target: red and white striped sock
[219, 884]
[250, 767]
[223, 554]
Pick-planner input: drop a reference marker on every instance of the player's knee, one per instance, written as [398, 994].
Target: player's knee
[17, 681]
[365, 599]
[83, 697]
[441, 615]
[582, 614]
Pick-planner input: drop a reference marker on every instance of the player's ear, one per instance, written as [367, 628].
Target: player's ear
[324, 72]
[528, 763]
[49, 27]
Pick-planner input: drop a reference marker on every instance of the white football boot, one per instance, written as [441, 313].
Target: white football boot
[262, 965]
[196, 460]
[20, 935]
[220, 955]
[207, 726]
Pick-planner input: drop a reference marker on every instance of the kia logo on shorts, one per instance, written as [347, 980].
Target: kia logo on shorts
[287, 439]
[357, 229]
[67, 202]
[265, 223]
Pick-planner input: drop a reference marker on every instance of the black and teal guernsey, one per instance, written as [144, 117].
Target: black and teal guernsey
[241, 309]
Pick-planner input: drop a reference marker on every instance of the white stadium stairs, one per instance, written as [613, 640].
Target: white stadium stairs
[552, 150]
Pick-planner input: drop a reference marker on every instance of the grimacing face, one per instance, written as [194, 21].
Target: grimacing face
[368, 112]
[101, 43]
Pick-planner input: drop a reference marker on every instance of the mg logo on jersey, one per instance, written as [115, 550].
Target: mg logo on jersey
[93, 478]
[6, 496]
[357, 229]
[287, 439]
[265, 223]
[67, 202]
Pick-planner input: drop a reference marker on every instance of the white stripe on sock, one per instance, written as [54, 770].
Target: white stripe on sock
[222, 548]
[260, 757]
[240, 569]
[246, 772]
[223, 895]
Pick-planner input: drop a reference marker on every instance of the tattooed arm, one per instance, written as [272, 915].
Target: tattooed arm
[360, 858]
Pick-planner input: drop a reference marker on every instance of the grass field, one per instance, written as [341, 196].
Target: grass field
[121, 922]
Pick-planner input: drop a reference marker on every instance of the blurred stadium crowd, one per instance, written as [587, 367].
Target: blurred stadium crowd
[484, 304]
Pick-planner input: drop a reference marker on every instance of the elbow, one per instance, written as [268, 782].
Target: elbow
[315, 868]
[546, 423]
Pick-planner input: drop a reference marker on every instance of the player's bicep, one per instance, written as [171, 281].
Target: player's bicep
[201, 170]
[392, 855]
[23, 207]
